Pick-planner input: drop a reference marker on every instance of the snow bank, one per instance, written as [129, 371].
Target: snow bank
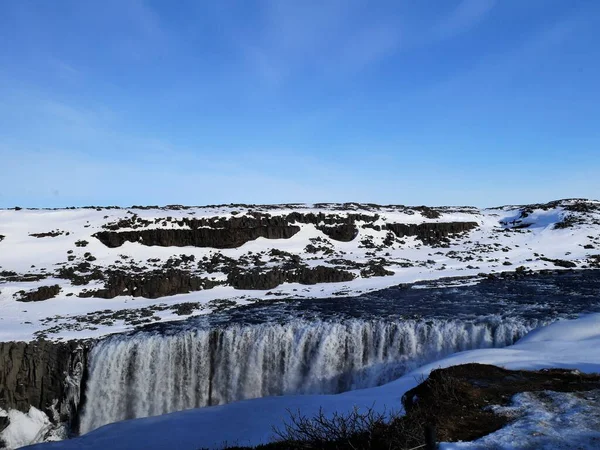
[570, 344]
[26, 428]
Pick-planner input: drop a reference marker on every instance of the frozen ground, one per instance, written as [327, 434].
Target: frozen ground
[37, 248]
[545, 420]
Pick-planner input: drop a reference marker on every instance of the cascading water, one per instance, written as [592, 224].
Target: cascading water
[149, 374]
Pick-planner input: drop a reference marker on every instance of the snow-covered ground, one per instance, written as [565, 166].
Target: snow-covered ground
[505, 238]
[566, 418]
[545, 420]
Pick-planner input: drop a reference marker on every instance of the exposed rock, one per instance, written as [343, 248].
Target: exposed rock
[257, 279]
[389, 239]
[375, 270]
[319, 274]
[428, 212]
[155, 284]
[431, 233]
[221, 232]
[456, 399]
[9, 275]
[263, 280]
[583, 206]
[560, 262]
[343, 233]
[2, 237]
[47, 234]
[42, 374]
[80, 274]
[40, 294]
[568, 222]
[201, 237]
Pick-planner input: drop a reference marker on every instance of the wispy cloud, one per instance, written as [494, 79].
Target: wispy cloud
[466, 15]
[64, 70]
[145, 17]
[146, 34]
[495, 69]
[316, 37]
[369, 46]
[343, 37]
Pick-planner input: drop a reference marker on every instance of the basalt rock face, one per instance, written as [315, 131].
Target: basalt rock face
[431, 233]
[201, 237]
[40, 294]
[344, 233]
[256, 279]
[228, 233]
[43, 374]
[154, 284]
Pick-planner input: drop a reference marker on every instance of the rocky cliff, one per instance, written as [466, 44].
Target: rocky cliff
[200, 237]
[43, 374]
[432, 233]
[227, 233]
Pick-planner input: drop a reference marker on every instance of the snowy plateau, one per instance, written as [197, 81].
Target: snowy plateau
[199, 327]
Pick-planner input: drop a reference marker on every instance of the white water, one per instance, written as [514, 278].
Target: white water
[150, 374]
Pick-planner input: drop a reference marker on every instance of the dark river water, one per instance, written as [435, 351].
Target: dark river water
[560, 294]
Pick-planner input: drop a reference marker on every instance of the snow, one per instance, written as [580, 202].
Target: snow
[26, 428]
[544, 420]
[573, 344]
[490, 244]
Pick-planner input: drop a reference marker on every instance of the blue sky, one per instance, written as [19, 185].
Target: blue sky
[122, 102]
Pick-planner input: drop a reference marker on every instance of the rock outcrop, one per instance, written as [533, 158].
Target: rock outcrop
[40, 294]
[218, 232]
[270, 279]
[431, 233]
[201, 237]
[344, 233]
[43, 374]
[155, 284]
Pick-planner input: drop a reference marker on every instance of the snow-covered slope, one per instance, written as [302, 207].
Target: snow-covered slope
[73, 273]
[571, 344]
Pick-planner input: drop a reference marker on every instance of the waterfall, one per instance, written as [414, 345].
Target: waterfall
[147, 374]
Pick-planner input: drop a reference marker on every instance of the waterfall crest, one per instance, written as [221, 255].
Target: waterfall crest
[150, 374]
